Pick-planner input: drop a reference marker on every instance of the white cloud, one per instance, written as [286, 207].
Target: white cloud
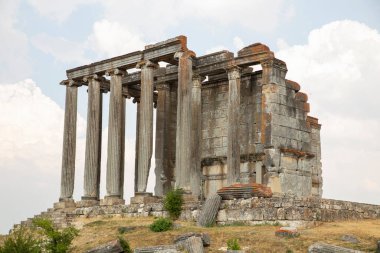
[339, 68]
[238, 43]
[31, 128]
[60, 48]
[110, 38]
[14, 60]
[58, 10]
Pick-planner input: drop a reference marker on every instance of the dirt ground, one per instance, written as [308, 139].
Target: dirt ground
[260, 238]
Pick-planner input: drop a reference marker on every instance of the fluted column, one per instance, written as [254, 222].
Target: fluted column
[93, 139]
[114, 149]
[183, 138]
[233, 147]
[146, 124]
[196, 133]
[163, 183]
[137, 101]
[69, 141]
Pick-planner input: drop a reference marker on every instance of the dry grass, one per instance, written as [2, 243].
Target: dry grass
[252, 238]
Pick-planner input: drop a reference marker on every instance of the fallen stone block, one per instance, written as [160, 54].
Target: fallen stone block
[287, 232]
[204, 237]
[321, 247]
[158, 249]
[209, 211]
[192, 245]
[350, 238]
[110, 247]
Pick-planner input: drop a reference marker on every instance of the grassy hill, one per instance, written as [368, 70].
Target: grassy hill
[252, 238]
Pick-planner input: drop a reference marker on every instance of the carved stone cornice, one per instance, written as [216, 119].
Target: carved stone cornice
[183, 54]
[274, 63]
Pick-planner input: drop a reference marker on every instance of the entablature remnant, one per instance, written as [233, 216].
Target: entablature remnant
[213, 65]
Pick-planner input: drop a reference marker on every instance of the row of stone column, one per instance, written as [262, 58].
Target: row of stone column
[188, 133]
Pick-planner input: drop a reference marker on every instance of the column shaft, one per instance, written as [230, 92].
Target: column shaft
[114, 148]
[69, 143]
[163, 183]
[233, 147]
[137, 142]
[196, 133]
[183, 138]
[93, 141]
[146, 124]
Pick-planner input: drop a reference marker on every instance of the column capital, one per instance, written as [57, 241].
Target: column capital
[146, 64]
[162, 86]
[115, 71]
[96, 77]
[187, 53]
[70, 83]
[197, 80]
[274, 63]
[234, 72]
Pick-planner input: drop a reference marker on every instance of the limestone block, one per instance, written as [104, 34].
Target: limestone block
[321, 247]
[111, 247]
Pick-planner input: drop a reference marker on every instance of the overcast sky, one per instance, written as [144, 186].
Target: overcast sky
[332, 48]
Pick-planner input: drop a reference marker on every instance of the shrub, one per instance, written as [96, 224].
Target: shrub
[233, 244]
[161, 224]
[173, 203]
[125, 245]
[56, 241]
[20, 241]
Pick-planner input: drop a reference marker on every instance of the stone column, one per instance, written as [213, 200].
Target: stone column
[162, 172]
[137, 101]
[196, 134]
[145, 124]
[114, 149]
[233, 147]
[183, 138]
[122, 155]
[93, 140]
[69, 144]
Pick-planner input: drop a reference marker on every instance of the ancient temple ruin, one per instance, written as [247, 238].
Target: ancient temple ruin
[219, 121]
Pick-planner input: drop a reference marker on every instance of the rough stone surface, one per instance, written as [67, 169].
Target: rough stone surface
[289, 232]
[350, 238]
[320, 247]
[205, 238]
[111, 247]
[158, 249]
[209, 211]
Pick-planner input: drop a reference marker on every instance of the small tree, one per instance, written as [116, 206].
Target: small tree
[21, 241]
[173, 203]
[233, 244]
[57, 241]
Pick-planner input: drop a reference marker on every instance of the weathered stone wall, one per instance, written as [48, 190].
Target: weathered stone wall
[286, 210]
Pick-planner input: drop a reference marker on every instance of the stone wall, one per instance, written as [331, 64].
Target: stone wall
[286, 210]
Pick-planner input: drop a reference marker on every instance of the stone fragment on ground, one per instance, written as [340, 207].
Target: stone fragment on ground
[110, 247]
[204, 237]
[350, 238]
[287, 232]
[123, 230]
[209, 211]
[158, 249]
[192, 244]
[321, 247]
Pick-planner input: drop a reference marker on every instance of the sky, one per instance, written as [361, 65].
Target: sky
[332, 49]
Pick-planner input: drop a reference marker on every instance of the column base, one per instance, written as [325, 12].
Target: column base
[144, 198]
[112, 201]
[64, 204]
[87, 202]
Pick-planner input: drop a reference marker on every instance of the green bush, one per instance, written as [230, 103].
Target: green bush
[56, 241]
[233, 244]
[173, 203]
[161, 224]
[125, 245]
[21, 241]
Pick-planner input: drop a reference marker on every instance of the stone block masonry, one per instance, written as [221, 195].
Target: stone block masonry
[218, 122]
